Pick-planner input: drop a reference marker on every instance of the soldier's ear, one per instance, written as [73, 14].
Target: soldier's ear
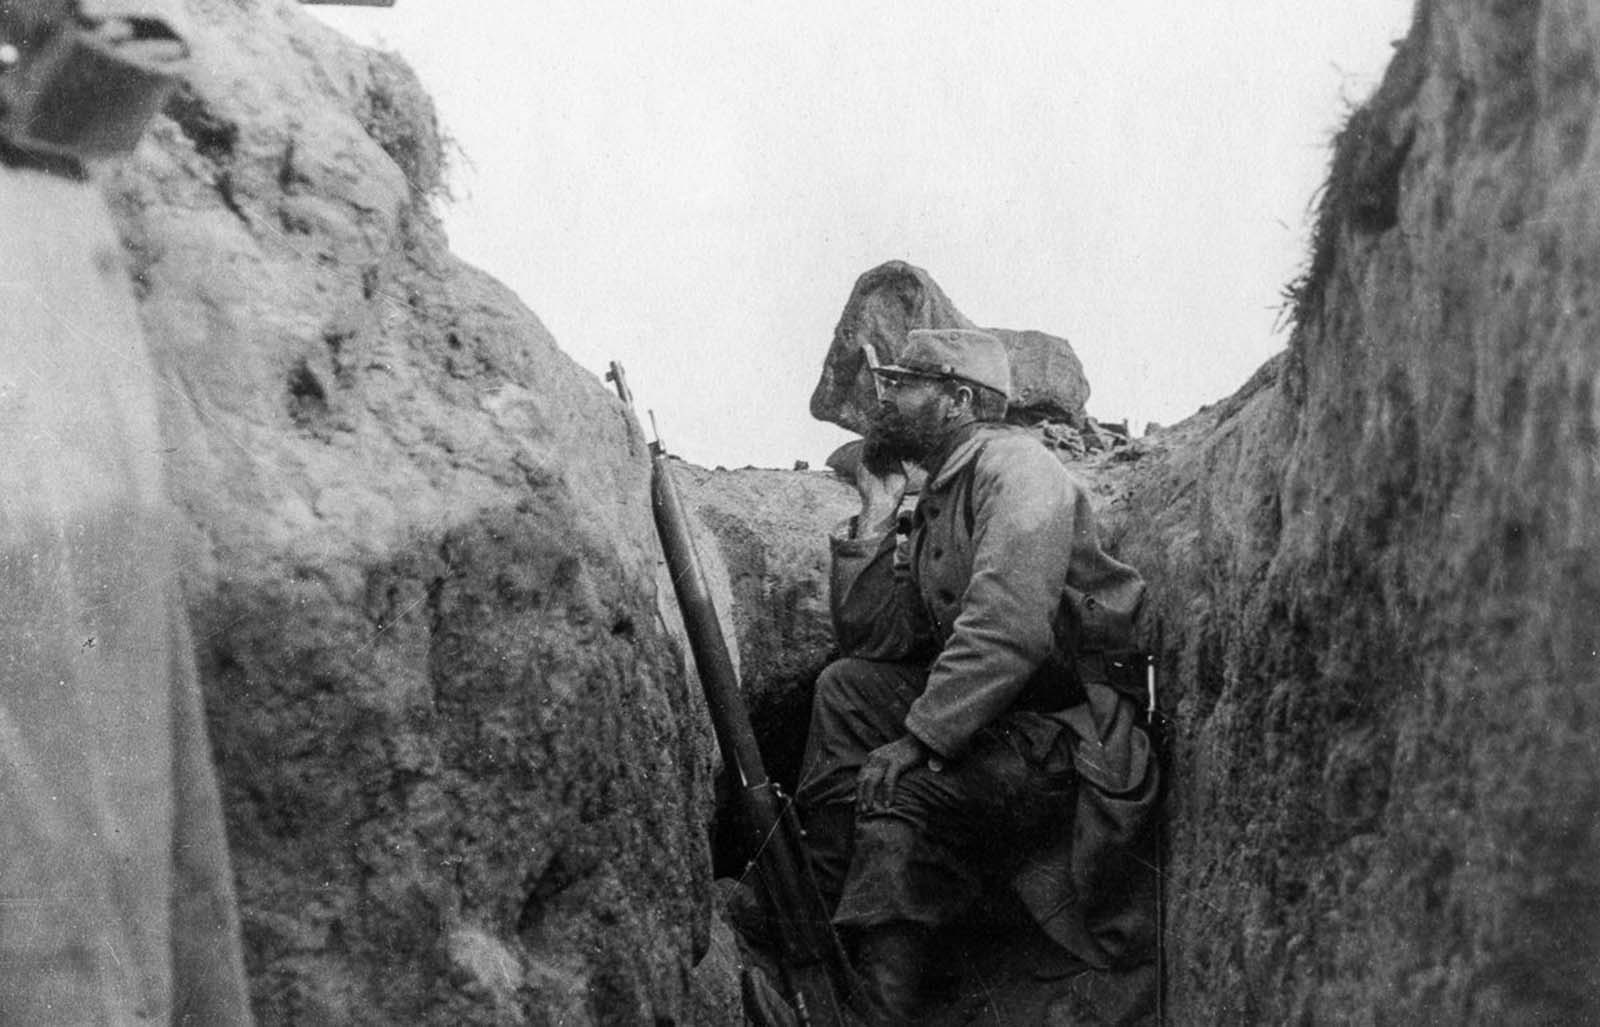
[962, 398]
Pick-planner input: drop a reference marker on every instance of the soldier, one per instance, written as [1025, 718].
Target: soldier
[979, 726]
[116, 896]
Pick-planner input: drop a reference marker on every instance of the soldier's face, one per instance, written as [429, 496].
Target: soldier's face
[911, 418]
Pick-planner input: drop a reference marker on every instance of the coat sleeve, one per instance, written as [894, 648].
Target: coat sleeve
[1026, 513]
[877, 613]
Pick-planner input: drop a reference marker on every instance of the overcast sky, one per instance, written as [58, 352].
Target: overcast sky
[693, 188]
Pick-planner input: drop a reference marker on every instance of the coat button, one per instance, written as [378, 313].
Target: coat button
[938, 551]
[945, 595]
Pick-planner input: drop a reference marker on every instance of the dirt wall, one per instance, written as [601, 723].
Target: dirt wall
[1374, 570]
[465, 778]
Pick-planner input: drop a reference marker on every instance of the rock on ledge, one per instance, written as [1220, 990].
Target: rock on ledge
[1047, 377]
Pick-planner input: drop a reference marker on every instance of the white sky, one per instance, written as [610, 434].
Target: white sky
[694, 192]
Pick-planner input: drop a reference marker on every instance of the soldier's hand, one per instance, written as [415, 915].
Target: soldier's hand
[881, 489]
[875, 785]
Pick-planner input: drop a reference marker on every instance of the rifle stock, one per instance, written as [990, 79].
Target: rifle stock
[818, 975]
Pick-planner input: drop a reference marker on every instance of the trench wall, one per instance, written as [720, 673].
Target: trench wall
[1377, 598]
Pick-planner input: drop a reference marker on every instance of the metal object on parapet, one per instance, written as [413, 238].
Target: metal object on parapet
[84, 80]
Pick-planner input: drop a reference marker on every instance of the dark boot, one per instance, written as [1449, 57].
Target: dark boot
[763, 1005]
[829, 842]
[892, 960]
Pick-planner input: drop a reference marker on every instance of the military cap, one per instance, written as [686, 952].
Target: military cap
[962, 354]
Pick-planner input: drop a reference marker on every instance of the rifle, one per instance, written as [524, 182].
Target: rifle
[816, 972]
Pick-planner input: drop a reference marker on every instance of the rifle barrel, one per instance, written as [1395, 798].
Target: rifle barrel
[709, 646]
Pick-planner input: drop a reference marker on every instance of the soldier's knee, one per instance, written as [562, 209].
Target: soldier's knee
[838, 686]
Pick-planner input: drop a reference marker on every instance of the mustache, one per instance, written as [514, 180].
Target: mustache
[885, 415]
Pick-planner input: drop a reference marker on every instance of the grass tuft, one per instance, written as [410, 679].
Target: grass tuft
[1362, 191]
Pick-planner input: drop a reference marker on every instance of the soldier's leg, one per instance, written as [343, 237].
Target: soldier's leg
[859, 705]
[910, 863]
[924, 862]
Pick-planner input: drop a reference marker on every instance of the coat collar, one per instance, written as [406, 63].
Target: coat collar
[957, 452]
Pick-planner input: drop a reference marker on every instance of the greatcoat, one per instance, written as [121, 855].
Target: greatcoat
[999, 587]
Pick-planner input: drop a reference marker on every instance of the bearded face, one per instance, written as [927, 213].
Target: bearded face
[904, 429]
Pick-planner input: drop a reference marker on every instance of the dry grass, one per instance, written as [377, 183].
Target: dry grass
[1362, 190]
[400, 116]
